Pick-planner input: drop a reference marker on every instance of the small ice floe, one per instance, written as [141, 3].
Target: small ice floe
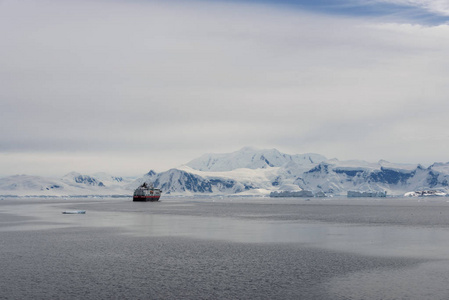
[74, 212]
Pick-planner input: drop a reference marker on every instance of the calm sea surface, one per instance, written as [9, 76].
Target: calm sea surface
[230, 248]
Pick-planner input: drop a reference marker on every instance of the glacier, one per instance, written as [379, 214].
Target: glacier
[248, 172]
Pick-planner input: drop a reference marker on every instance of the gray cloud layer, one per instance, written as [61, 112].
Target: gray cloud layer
[100, 84]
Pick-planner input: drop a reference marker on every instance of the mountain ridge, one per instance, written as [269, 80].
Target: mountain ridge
[248, 171]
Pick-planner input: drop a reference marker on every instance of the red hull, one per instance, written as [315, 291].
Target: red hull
[146, 198]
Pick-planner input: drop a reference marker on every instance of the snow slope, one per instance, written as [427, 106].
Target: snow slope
[251, 158]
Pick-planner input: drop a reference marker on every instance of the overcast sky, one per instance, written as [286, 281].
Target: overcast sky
[128, 86]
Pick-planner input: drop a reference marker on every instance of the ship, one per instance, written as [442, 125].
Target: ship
[147, 192]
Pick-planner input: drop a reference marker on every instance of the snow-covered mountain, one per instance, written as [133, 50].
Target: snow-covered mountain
[26, 185]
[74, 177]
[338, 177]
[71, 184]
[255, 171]
[248, 171]
[251, 158]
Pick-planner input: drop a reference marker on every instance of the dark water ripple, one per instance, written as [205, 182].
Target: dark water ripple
[98, 264]
[224, 249]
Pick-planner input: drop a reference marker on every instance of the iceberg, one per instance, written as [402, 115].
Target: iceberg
[356, 194]
[425, 193]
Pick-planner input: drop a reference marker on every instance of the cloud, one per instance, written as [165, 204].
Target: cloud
[168, 81]
[440, 7]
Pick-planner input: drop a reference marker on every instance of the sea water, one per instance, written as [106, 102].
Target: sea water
[230, 248]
